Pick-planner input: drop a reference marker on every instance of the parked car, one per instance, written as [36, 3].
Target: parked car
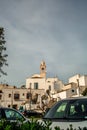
[12, 115]
[23, 112]
[32, 113]
[66, 112]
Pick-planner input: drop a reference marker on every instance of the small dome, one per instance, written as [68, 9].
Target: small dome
[36, 76]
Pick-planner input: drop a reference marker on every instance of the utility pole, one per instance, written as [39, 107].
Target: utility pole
[78, 87]
[12, 99]
[30, 96]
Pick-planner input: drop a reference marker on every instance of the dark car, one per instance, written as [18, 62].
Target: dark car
[68, 111]
[11, 115]
[32, 113]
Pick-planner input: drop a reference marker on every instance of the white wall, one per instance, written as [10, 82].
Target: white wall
[83, 81]
[62, 95]
[55, 84]
[41, 83]
[74, 78]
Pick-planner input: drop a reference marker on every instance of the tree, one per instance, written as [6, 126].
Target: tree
[84, 93]
[3, 56]
[35, 98]
[48, 92]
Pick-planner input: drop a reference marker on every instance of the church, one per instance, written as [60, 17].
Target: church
[41, 81]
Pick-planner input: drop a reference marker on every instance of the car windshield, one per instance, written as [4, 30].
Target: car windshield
[68, 109]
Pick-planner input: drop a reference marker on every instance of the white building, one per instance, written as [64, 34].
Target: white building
[75, 87]
[15, 97]
[40, 81]
[39, 84]
[81, 80]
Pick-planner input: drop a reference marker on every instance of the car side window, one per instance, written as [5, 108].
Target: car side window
[77, 109]
[13, 115]
[60, 111]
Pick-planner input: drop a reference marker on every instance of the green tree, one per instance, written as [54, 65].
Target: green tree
[3, 56]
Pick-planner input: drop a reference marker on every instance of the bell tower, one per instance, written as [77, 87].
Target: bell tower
[43, 69]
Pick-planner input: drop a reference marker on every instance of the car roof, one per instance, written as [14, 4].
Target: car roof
[74, 98]
[7, 108]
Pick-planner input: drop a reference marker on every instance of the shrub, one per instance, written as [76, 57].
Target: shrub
[31, 125]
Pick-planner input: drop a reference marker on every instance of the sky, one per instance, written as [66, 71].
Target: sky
[51, 30]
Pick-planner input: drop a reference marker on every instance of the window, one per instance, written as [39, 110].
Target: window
[9, 105]
[0, 97]
[50, 87]
[30, 85]
[23, 94]
[48, 81]
[9, 95]
[73, 90]
[16, 96]
[58, 111]
[28, 95]
[35, 85]
[42, 68]
[1, 91]
[77, 109]
[13, 115]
